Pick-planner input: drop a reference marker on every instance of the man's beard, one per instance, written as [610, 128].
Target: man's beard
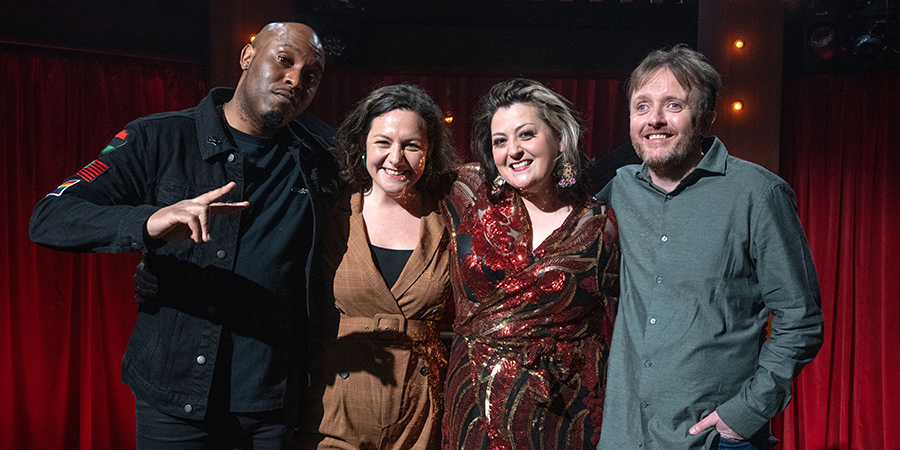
[271, 120]
[675, 164]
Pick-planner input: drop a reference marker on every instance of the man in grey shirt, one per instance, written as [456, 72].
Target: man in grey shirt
[711, 246]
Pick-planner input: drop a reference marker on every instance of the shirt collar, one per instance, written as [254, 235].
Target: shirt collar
[715, 157]
[215, 139]
[211, 132]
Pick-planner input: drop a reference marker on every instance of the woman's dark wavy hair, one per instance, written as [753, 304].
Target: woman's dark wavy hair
[350, 142]
[555, 111]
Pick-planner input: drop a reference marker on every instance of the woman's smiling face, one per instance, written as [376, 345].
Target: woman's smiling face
[525, 148]
[396, 151]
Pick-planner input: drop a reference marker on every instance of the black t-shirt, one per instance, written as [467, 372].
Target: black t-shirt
[267, 261]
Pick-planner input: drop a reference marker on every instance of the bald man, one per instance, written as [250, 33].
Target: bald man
[224, 201]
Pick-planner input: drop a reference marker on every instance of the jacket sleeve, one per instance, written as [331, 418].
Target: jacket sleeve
[104, 206]
[790, 290]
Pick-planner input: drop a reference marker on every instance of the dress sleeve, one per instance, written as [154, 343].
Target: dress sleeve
[102, 207]
[790, 290]
[609, 262]
[467, 188]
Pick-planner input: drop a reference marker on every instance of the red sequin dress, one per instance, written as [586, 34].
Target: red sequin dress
[528, 359]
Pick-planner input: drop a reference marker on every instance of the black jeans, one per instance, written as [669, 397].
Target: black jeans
[220, 430]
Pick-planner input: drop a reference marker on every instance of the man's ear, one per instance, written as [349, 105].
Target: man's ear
[247, 56]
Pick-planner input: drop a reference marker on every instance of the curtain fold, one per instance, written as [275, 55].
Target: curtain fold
[841, 153]
[65, 318]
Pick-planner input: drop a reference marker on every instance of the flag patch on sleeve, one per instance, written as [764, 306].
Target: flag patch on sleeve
[58, 191]
[93, 170]
[117, 141]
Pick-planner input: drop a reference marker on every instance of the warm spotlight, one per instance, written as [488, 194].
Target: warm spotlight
[737, 106]
[738, 44]
[252, 37]
[448, 116]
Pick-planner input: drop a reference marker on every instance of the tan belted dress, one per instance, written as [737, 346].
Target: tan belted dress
[376, 375]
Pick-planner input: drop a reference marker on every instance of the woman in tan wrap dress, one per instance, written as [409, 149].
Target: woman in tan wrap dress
[375, 378]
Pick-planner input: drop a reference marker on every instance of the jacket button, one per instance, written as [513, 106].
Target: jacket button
[423, 370]
[201, 359]
[230, 157]
[135, 246]
[188, 408]
[221, 254]
[344, 374]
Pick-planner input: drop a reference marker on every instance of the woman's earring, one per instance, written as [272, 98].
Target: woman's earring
[498, 184]
[568, 176]
[364, 160]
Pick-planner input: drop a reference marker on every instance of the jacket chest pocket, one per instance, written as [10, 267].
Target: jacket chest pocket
[168, 194]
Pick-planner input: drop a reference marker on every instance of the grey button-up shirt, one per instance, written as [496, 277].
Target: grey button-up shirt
[703, 266]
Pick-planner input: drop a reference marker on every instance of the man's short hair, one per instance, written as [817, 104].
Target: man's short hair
[690, 68]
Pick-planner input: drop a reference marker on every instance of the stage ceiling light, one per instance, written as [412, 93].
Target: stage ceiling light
[872, 44]
[823, 41]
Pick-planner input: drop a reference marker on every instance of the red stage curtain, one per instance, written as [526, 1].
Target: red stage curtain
[64, 318]
[841, 153]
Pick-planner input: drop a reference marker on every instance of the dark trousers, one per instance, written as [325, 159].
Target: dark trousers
[219, 430]
[760, 441]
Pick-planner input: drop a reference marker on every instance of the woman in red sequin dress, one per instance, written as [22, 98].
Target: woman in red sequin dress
[535, 281]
